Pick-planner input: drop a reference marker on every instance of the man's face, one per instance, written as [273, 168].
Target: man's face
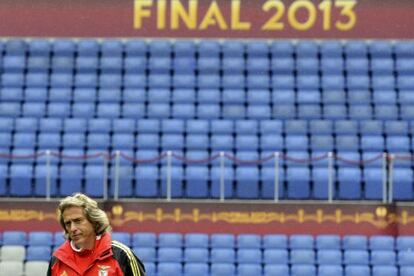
[80, 230]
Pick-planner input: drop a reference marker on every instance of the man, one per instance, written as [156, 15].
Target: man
[88, 249]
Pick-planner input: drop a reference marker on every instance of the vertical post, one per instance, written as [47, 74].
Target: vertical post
[330, 177]
[276, 195]
[390, 178]
[222, 176]
[169, 173]
[384, 177]
[116, 174]
[48, 175]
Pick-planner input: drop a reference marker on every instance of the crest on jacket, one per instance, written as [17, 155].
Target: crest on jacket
[103, 270]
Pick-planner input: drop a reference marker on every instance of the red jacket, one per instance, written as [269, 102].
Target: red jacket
[109, 258]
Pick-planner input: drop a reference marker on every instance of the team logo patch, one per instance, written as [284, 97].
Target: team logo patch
[64, 273]
[103, 270]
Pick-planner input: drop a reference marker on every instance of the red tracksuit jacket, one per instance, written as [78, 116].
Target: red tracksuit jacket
[109, 258]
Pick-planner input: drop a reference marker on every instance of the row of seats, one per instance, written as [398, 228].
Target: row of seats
[211, 127]
[34, 268]
[205, 48]
[203, 81]
[245, 182]
[240, 256]
[376, 97]
[29, 268]
[217, 142]
[253, 65]
[279, 111]
[225, 240]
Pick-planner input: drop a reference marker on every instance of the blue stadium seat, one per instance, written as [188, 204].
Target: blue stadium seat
[195, 269]
[146, 178]
[70, 179]
[144, 239]
[196, 255]
[94, 180]
[373, 178]
[196, 240]
[228, 175]
[386, 112]
[380, 49]
[14, 237]
[297, 241]
[329, 257]
[38, 253]
[357, 270]
[222, 240]
[331, 66]
[354, 242]
[21, 180]
[303, 269]
[384, 270]
[123, 237]
[40, 238]
[402, 188]
[356, 257]
[276, 269]
[383, 257]
[247, 185]
[328, 242]
[275, 241]
[135, 47]
[169, 268]
[88, 47]
[267, 177]
[249, 269]
[146, 254]
[197, 181]
[327, 270]
[298, 182]
[223, 255]
[41, 172]
[170, 240]
[275, 256]
[223, 269]
[349, 183]
[249, 241]
[25, 125]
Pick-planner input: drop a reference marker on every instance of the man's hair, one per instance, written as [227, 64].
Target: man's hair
[92, 212]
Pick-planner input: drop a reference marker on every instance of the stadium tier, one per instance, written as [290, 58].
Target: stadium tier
[228, 254]
[207, 119]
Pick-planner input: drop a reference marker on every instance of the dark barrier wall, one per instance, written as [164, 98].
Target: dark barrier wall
[208, 18]
[261, 218]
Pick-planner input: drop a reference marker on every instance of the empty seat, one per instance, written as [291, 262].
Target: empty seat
[34, 268]
[11, 268]
[11, 237]
[356, 257]
[355, 242]
[222, 241]
[223, 255]
[252, 241]
[13, 253]
[329, 257]
[301, 242]
[196, 240]
[174, 240]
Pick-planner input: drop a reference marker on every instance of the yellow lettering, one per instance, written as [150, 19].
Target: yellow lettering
[310, 21]
[213, 17]
[189, 17]
[161, 11]
[236, 24]
[326, 7]
[141, 10]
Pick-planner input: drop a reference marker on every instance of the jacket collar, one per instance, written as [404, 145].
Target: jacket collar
[65, 253]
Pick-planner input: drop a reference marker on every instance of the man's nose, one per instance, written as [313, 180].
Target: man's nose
[73, 227]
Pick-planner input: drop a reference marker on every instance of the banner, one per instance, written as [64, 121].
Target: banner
[266, 19]
[215, 217]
